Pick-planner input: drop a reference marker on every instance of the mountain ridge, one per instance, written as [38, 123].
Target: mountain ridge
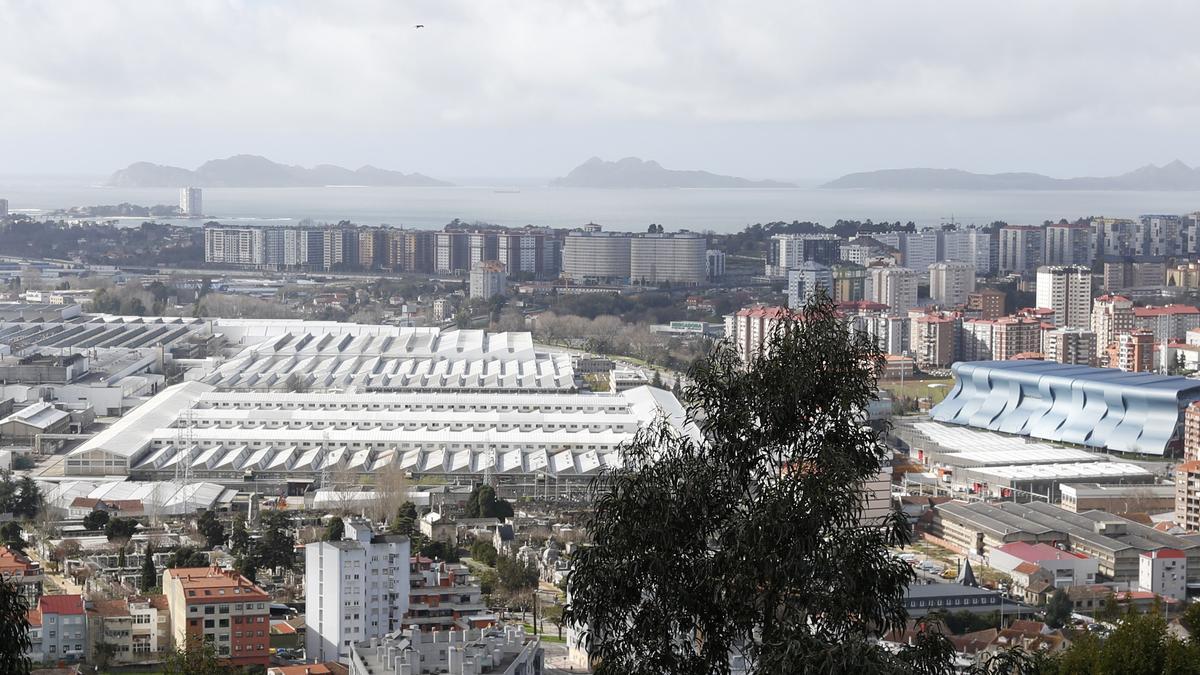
[258, 171]
[633, 172]
[1173, 176]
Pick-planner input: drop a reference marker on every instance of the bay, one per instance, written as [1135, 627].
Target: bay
[718, 210]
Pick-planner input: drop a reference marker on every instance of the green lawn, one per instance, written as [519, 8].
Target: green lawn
[919, 388]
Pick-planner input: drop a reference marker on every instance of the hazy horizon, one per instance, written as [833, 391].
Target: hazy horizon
[790, 91]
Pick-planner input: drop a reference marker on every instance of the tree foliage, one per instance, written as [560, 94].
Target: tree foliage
[187, 556]
[212, 529]
[120, 528]
[198, 657]
[483, 503]
[483, 551]
[335, 530]
[749, 541]
[405, 522]
[96, 520]
[239, 537]
[14, 629]
[516, 575]
[22, 498]
[149, 576]
[1058, 609]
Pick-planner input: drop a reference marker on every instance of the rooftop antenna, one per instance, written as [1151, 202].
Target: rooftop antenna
[185, 439]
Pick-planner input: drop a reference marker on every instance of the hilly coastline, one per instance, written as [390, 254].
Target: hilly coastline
[1175, 176]
[248, 171]
[632, 172]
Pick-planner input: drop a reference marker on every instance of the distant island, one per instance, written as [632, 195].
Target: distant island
[1173, 176]
[122, 210]
[632, 172]
[245, 171]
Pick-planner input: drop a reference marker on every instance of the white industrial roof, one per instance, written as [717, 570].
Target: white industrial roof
[1077, 471]
[409, 358]
[42, 415]
[129, 435]
[158, 497]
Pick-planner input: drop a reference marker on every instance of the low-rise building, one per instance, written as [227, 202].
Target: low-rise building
[1163, 572]
[503, 650]
[1066, 568]
[218, 606]
[134, 630]
[444, 596]
[20, 570]
[1150, 498]
[58, 629]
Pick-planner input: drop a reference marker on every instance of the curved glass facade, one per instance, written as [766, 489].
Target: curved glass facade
[1097, 407]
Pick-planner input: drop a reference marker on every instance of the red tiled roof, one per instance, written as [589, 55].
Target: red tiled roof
[61, 604]
[1165, 553]
[35, 617]
[1112, 298]
[1165, 310]
[1026, 568]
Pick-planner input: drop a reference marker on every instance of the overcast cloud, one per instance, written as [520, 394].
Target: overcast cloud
[782, 89]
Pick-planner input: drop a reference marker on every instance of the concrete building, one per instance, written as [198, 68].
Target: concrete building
[1164, 572]
[1112, 315]
[20, 570]
[1066, 569]
[987, 303]
[1096, 407]
[191, 202]
[3, 208]
[802, 283]
[1117, 499]
[978, 248]
[355, 589]
[1133, 352]
[1171, 322]
[789, 251]
[624, 379]
[1013, 335]
[221, 607]
[950, 283]
[935, 340]
[1114, 238]
[750, 328]
[849, 283]
[1073, 346]
[503, 650]
[444, 596]
[1069, 244]
[25, 425]
[1116, 544]
[596, 256]
[676, 258]
[488, 280]
[1184, 275]
[1022, 249]
[714, 264]
[135, 630]
[372, 248]
[229, 245]
[1191, 432]
[1068, 291]
[895, 287]
[1159, 235]
[1187, 495]
[919, 250]
[58, 629]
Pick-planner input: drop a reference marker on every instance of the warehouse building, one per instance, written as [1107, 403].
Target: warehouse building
[1009, 467]
[1114, 542]
[300, 439]
[402, 359]
[1094, 407]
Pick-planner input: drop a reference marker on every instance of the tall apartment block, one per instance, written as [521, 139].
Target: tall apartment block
[951, 282]
[191, 202]
[355, 589]
[1022, 249]
[1066, 289]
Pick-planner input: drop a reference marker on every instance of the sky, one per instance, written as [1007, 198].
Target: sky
[784, 89]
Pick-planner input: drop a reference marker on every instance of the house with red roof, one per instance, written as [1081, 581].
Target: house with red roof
[58, 629]
[1065, 568]
[1163, 572]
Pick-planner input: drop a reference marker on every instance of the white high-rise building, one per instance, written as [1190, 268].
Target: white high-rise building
[977, 247]
[804, 280]
[1069, 244]
[355, 589]
[1066, 289]
[191, 202]
[895, 287]
[950, 282]
[3, 208]
[488, 279]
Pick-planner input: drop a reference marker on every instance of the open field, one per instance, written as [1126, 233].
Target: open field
[919, 388]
